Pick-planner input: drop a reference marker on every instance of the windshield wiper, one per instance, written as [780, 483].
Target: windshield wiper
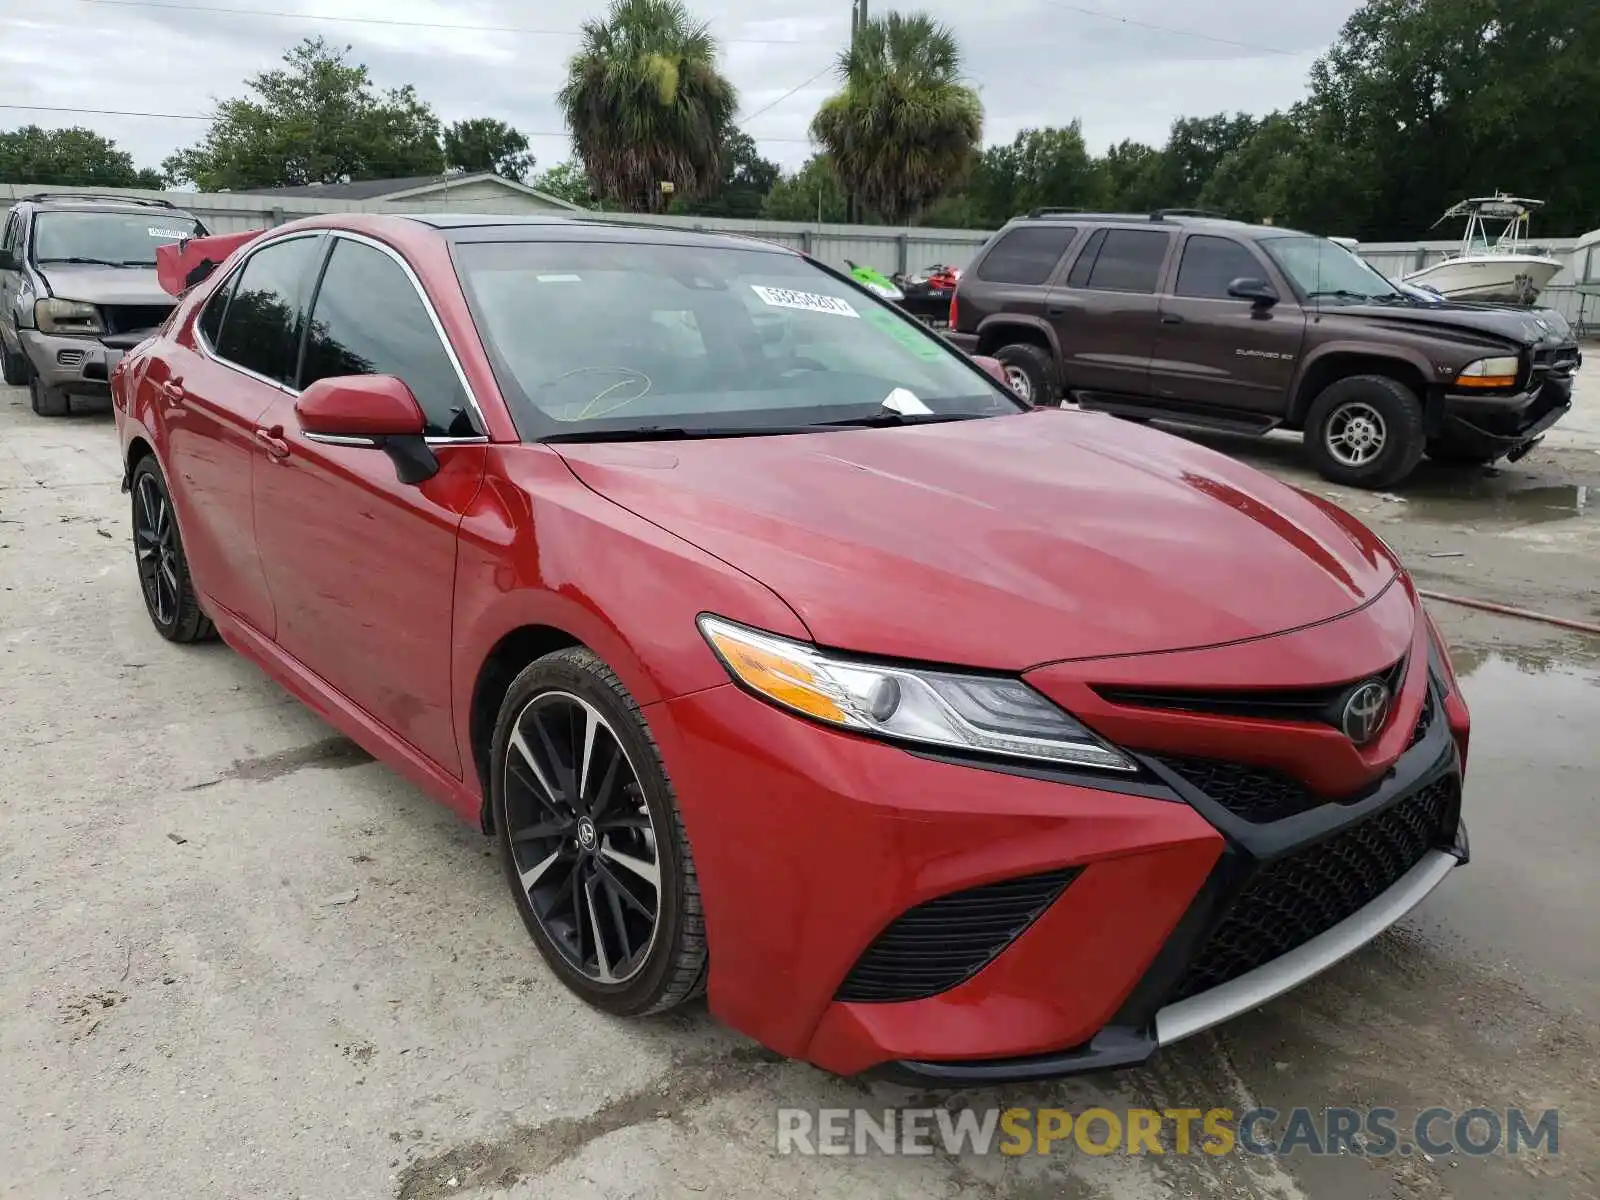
[94, 262]
[668, 433]
[1342, 294]
[889, 416]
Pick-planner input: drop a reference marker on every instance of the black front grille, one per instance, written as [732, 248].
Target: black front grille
[1252, 793]
[1321, 704]
[133, 318]
[1287, 902]
[936, 945]
[1424, 719]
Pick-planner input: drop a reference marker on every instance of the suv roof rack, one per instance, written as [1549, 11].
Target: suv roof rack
[100, 198]
[1051, 212]
[1161, 214]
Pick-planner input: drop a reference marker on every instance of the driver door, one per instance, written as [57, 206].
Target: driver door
[361, 566]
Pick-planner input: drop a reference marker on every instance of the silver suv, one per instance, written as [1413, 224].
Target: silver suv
[78, 289]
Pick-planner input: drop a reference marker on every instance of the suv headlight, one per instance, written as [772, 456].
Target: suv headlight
[56, 315]
[984, 714]
[1490, 373]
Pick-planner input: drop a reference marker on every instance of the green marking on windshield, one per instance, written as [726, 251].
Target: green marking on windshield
[919, 345]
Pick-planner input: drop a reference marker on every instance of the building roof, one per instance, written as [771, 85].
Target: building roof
[414, 185]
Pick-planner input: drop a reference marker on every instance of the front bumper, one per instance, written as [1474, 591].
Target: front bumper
[1500, 424]
[74, 363]
[811, 845]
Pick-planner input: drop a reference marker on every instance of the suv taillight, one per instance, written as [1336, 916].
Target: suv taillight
[952, 311]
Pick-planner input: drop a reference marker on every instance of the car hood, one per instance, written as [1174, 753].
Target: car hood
[104, 285]
[1526, 327]
[1003, 543]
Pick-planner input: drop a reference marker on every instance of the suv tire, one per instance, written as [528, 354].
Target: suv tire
[1365, 431]
[13, 366]
[1032, 368]
[46, 401]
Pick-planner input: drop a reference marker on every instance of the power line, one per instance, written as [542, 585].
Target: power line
[1189, 33]
[225, 10]
[167, 116]
[797, 87]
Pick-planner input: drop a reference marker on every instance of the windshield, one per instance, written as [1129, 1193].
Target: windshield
[1323, 268]
[109, 238]
[589, 338]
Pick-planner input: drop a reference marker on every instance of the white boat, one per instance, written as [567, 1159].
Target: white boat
[1497, 267]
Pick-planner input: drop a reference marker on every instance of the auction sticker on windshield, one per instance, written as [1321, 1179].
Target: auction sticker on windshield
[166, 233]
[804, 301]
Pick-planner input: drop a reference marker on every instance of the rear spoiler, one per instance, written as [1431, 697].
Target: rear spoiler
[182, 265]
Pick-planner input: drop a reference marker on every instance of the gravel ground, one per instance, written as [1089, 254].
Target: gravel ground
[244, 960]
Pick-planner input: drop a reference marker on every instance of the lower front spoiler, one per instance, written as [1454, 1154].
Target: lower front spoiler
[1116, 1047]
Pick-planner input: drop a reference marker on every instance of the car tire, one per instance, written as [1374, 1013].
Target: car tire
[1031, 371]
[13, 366]
[164, 580]
[580, 847]
[46, 401]
[1365, 431]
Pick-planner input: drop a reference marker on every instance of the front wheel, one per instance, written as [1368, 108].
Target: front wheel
[46, 401]
[591, 840]
[1365, 431]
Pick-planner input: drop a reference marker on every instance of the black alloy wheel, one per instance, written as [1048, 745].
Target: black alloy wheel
[591, 841]
[169, 593]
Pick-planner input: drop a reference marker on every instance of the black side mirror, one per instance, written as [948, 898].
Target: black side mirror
[1258, 291]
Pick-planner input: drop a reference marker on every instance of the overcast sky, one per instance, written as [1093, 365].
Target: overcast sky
[1035, 62]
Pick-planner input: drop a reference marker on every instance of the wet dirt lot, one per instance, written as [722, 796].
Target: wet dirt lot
[243, 960]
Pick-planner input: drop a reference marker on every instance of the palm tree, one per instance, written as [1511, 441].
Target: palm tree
[646, 105]
[904, 129]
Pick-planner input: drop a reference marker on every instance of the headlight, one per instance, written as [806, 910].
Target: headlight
[986, 714]
[66, 316]
[1490, 373]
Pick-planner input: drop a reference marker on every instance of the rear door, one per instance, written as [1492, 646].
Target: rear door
[1215, 351]
[1106, 313]
[210, 394]
[362, 567]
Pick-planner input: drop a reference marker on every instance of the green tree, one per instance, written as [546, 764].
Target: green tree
[813, 193]
[746, 180]
[566, 181]
[1254, 181]
[1130, 177]
[646, 104]
[1194, 149]
[904, 130]
[485, 144]
[318, 119]
[69, 157]
[1040, 167]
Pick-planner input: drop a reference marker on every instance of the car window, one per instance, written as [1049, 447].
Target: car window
[1210, 264]
[368, 319]
[1086, 257]
[262, 329]
[216, 306]
[8, 241]
[1027, 254]
[613, 336]
[1130, 261]
[116, 239]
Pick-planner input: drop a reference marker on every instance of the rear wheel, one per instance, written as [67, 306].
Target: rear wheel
[1031, 372]
[1365, 431]
[591, 840]
[169, 592]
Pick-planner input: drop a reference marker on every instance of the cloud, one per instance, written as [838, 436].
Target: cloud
[1035, 62]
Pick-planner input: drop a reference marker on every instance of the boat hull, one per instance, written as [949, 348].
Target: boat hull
[1500, 278]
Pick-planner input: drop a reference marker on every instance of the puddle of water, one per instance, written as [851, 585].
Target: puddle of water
[1481, 497]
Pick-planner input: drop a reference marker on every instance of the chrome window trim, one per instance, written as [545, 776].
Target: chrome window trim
[339, 439]
[433, 317]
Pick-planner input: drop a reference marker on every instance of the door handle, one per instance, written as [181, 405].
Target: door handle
[172, 391]
[1055, 310]
[272, 440]
[1171, 319]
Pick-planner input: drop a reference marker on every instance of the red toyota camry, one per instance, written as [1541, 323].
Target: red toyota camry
[784, 653]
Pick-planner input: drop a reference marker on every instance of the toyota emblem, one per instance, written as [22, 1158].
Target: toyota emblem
[1365, 709]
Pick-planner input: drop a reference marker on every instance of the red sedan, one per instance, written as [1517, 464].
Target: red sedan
[785, 654]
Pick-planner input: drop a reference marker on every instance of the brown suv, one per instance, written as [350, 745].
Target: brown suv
[1204, 321]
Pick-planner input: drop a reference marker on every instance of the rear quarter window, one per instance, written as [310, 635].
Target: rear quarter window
[1026, 255]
